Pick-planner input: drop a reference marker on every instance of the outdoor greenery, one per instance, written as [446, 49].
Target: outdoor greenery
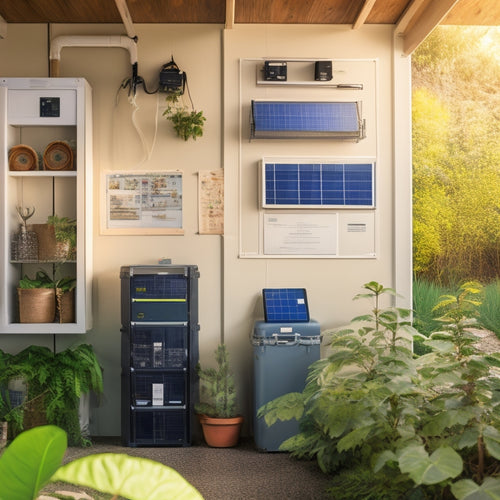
[34, 459]
[388, 424]
[456, 155]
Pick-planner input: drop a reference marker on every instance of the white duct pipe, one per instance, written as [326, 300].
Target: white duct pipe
[59, 42]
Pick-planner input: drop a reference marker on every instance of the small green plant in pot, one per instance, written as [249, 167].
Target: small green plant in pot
[65, 296]
[187, 123]
[37, 299]
[65, 233]
[217, 408]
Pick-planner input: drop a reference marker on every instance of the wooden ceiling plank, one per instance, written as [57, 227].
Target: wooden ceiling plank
[430, 17]
[122, 7]
[229, 14]
[407, 16]
[363, 14]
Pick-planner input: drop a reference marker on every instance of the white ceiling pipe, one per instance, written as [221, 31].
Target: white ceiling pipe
[59, 42]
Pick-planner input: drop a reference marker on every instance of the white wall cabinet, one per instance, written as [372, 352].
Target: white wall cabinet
[36, 112]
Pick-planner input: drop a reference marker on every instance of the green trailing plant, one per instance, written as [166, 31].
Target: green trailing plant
[34, 459]
[187, 123]
[419, 427]
[56, 381]
[217, 388]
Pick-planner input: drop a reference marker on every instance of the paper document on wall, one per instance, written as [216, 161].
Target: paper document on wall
[300, 234]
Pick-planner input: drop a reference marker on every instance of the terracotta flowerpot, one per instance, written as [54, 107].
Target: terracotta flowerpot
[221, 432]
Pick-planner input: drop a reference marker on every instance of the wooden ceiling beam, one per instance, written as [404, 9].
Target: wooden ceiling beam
[229, 14]
[122, 7]
[363, 14]
[416, 24]
[3, 28]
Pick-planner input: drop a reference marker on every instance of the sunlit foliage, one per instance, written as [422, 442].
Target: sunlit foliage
[456, 155]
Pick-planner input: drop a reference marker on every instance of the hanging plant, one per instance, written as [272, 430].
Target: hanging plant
[187, 123]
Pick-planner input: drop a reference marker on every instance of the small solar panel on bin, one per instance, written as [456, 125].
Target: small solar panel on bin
[285, 304]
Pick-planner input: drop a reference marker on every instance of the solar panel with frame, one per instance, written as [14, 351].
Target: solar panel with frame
[285, 305]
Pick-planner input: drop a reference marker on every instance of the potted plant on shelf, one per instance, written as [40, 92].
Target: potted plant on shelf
[65, 234]
[65, 298]
[37, 299]
[187, 123]
[217, 408]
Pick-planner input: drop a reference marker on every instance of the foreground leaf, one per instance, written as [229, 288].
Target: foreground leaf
[29, 462]
[443, 464]
[130, 477]
[466, 489]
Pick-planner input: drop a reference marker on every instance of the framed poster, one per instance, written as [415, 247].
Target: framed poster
[147, 203]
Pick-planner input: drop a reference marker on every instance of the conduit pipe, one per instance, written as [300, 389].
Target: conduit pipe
[59, 42]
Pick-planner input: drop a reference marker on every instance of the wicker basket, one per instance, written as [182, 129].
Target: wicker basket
[65, 305]
[34, 413]
[49, 249]
[37, 305]
[23, 157]
[58, 155]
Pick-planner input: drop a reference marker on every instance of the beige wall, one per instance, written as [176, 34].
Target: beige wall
[229, 286]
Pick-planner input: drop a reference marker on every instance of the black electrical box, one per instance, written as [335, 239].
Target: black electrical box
[50, 107]
[275, 71]
[323, 71]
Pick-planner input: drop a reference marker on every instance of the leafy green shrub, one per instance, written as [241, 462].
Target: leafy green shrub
[416, 424]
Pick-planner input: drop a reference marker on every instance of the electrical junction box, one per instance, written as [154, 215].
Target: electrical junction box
[323, 71]
[275, 71]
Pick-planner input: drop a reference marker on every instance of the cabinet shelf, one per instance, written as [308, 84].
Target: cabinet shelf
[66, 193]
[43, 173]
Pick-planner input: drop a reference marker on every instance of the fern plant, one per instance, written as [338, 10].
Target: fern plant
[57, 380]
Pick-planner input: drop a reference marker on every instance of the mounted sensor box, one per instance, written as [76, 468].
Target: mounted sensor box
[275, 71]
[323, 71]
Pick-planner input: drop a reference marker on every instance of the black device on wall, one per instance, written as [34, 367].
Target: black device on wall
[159, 316]
[275, 70]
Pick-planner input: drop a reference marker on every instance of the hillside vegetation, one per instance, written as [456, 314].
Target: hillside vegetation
[456, 155]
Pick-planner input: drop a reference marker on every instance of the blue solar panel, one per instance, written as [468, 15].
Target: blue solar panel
[313, 119]
[285, 305]
[318, 184]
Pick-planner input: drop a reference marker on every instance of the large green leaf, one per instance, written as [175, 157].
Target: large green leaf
[466, 489]
[130, 477]
[29, 462]
[443, 464]
[491, 437]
